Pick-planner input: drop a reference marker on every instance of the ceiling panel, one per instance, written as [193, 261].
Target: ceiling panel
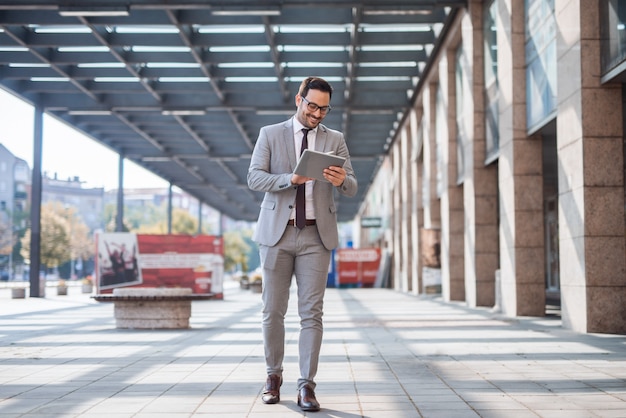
[182, 88]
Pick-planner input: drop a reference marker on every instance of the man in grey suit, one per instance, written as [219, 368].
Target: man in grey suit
[299, 245]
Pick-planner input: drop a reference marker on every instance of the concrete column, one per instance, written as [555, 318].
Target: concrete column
[452, 270]
[416, 211]
[480, 188]
[432, 207]
[405, 205]
[591, 177]
[520, 177]
[396, 213]
[429, 231]
[456, 215]
[469, 195]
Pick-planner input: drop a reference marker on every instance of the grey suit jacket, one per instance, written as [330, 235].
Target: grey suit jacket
[271, 168]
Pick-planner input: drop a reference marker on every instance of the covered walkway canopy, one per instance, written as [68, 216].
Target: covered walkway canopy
[183, 87]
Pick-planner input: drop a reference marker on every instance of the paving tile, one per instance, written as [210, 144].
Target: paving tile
[385, 354]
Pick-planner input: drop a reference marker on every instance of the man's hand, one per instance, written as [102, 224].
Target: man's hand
[335, 174]
[296, 179]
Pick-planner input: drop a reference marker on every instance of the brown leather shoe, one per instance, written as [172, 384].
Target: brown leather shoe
[307, 401]
[271, 394]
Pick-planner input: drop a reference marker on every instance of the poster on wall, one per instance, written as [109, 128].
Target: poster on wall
[196, 262]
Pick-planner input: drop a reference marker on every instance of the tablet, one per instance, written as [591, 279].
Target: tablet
[312, 164]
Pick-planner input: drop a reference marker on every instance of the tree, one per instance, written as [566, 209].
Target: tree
[81, 241]
[182, 223]
[110, 221]
[7, 237]
[20, 225]
[253, 257]
[54, 239]
[235, 251]
[64, 237]
[82, 244]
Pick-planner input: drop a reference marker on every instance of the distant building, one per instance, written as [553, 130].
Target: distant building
[14, 200]
[14, 182]
[88, 202]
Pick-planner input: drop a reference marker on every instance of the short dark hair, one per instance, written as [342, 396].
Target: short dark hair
[315, 83]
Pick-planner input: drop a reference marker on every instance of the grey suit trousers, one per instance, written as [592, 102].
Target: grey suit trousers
[300, 253]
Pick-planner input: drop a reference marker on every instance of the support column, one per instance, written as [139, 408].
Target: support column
[429, 233]
[396, 212]
[590, 132]
[429, 182]
[521, 182]
[405, 204]
[119, 218]
[480, 189]
[454, 289]
[36, 290]
[417, 219]
[169, 208]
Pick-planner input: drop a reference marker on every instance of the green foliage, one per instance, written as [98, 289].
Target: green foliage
[182, 223]
[54, 239]
[235, 251]
[137, 217]
[81, 241]
[7, 236]
[109, 216]
[254, 260]
[151, 219]
[20, 222]
[63, 236]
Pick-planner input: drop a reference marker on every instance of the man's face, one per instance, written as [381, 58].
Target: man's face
[304, 115]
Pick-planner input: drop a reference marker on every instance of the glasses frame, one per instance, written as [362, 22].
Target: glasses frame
[314, 107]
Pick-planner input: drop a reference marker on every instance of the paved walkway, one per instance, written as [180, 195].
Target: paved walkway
[385, 354]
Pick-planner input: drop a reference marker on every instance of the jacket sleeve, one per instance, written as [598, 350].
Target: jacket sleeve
[266, 174]
[349, 186]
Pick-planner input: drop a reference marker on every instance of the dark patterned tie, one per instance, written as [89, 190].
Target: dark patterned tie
[300, 198]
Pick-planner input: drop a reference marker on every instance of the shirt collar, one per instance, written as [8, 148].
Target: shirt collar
[298, 127]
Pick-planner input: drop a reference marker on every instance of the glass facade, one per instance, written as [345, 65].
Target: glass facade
[541, 78]
[441, 133]
[491, 82]
[613, 18]
[461, 131]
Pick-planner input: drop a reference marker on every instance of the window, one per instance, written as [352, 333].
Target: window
[21, 172]
[460, 74]
[441, 135]
[492, 135]
[541, 88]
[613, 18]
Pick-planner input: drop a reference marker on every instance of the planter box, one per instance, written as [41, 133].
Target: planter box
[86, 288]
[256, 286]
[18, 293]
[62, 290]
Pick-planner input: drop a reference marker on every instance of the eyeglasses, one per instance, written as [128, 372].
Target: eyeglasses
[313, 107]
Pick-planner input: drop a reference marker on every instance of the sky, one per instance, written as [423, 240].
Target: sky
[66, 152]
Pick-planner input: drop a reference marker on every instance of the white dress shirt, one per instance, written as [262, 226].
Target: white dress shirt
[298, 135]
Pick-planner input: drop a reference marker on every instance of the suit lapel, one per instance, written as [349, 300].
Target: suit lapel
[290, 147]
[320, 138]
